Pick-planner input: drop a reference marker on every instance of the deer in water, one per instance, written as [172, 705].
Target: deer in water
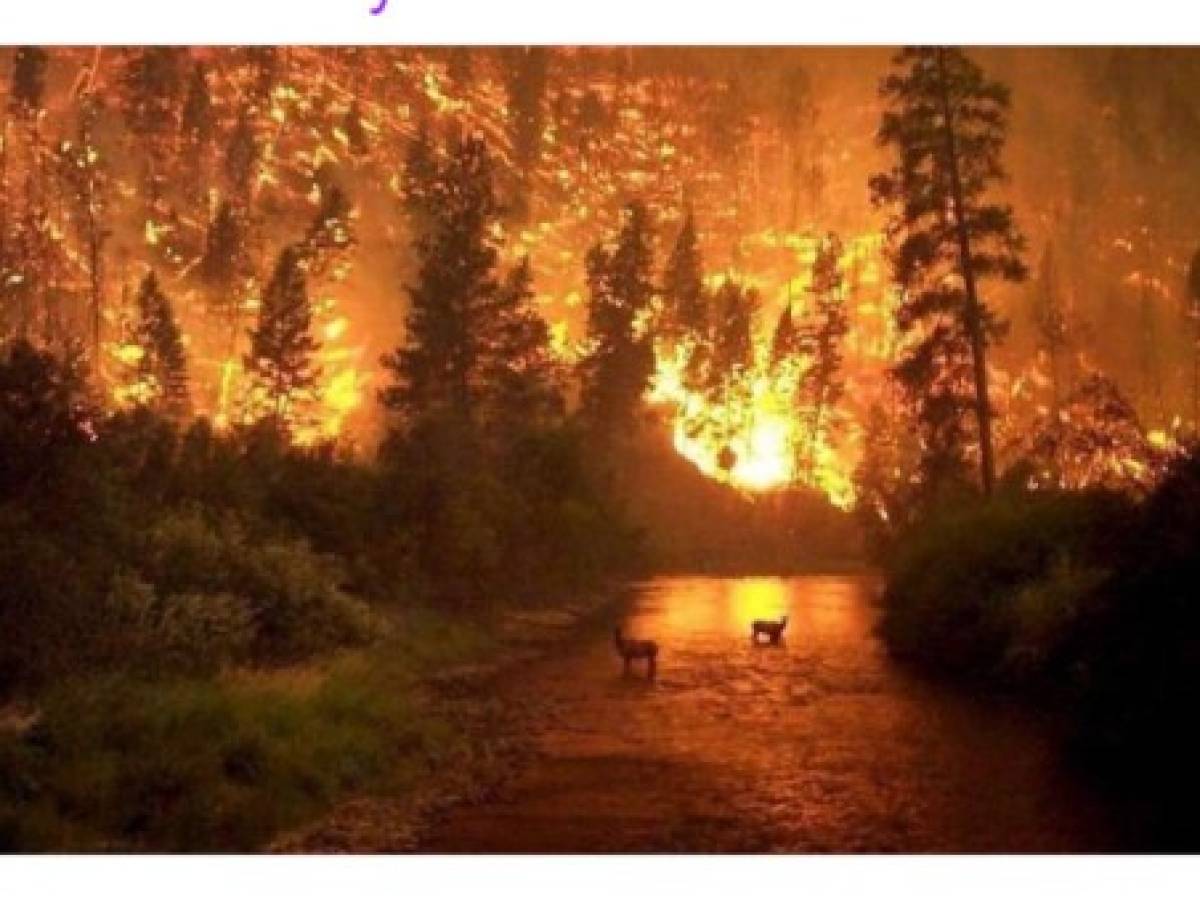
[629, 650]
[773, 631]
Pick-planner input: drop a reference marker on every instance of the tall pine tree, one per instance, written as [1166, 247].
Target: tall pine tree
[946, 123]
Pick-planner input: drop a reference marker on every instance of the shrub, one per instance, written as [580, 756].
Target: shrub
[974, 587]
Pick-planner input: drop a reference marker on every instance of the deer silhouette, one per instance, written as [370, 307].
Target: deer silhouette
[629, 650]
[773, 631]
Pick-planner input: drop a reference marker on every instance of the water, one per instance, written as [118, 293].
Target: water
[820, 744]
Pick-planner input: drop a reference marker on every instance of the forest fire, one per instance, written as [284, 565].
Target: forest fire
[224, 151]
[340, 387]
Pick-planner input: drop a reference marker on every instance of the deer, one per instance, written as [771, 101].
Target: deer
[772, 630]
[629, 650]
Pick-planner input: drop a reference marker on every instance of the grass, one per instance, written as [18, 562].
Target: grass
[119, 763]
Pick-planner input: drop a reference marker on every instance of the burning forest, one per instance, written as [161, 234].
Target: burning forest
[315, 353]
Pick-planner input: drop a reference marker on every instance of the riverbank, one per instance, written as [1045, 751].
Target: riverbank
[1078, 603]
[491, 742]
[275, 758]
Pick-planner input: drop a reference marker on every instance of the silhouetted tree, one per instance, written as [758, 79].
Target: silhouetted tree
[225, 265]
[946, 123]
[281, 360]
[684, 305]
[786, 338]
[437, 369]
[521, 378]
[617, 369]
[821, 384]
[421, 173]
[162, 367]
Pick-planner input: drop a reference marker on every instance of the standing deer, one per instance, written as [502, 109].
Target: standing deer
[772, 630]
[629, 650]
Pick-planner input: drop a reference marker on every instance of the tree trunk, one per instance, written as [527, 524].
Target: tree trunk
[972, 315]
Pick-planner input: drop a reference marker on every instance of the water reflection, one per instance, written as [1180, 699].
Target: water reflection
[820, 744]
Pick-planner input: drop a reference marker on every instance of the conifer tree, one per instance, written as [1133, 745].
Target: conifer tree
[162, 368]
[281, 361]
[437, 369]
[821, 384]
[684, 304]
[616, 371]
[421, 174]
[24, 250]
[785, 340]
[225, 263]
[521, 376]
[946, 123]
[733, 347]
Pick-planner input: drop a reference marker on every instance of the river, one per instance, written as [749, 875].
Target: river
[820, 744]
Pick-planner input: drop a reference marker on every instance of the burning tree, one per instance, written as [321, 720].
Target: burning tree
[728, 378]
[161, 377]
[1094, 440]
[225, 264]
[282, 348]
[946, 123]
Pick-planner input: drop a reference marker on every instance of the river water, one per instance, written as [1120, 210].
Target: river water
[820, 744]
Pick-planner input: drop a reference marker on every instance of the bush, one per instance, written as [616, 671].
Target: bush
[290, 596]
[989, 588]
[179, 634]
